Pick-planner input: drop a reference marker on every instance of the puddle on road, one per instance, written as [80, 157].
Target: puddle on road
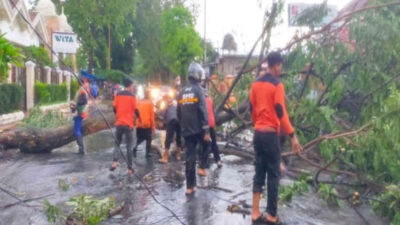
[37, 175]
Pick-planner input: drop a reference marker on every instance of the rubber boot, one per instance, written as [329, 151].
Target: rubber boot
[79, 141]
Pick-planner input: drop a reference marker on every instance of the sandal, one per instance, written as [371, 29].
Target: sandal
[191, 193]
[113, 167]
[262, 220]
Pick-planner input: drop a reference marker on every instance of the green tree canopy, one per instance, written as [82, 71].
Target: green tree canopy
[8, 54]
[90, 20]
[181, 44]
[38, 55]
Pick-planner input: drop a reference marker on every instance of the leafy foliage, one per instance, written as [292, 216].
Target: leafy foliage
[90, 20]
[8, 54]
[38, 55]
[38, 119]
[11, 98]
[181, 43]
[53, 213]
[329, 194]
[74, 87]
[90, 211]
[299, 187]
[50, 93]
[63, 184]
[388, 204]
[115, 76]
[354, 80]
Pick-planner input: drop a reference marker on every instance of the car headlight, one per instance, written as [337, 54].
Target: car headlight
[155, 93]
[171, 93]
[162, 105]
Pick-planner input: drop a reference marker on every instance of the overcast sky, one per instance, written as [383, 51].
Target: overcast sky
[244, 18]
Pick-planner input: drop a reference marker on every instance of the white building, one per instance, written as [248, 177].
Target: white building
[16, 29]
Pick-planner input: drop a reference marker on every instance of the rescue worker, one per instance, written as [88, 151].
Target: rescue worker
[193, 118]
[213, 133]
[173, 128]
[125, 108]
[267, 98]
[79, 106]
[146, 129]
[94, 90]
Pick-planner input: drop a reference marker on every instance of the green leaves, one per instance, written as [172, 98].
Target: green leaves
[91, 211]
[38, 55]
[38, 119]
[329, 194]
[52, 213]
[11, 98]
[181, 44]
[8, 54]
[300, 187]
[388, 203]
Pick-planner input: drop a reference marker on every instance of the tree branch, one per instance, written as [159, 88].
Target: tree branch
[267, 26]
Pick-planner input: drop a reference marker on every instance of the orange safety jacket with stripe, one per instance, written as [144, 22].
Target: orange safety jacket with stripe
[146, 111]
[267, 98]
[125, 108]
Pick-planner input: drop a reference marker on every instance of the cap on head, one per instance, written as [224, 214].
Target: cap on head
[196, 72]
[274, 58]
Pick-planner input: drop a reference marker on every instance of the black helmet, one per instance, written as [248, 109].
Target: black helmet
[196, 72]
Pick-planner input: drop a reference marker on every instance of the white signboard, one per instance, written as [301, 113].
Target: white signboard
[298, 9]
[64, 42]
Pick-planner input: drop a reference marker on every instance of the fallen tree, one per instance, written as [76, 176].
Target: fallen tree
[39, 140]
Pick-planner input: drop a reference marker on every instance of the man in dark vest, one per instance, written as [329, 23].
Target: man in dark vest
[193, 118]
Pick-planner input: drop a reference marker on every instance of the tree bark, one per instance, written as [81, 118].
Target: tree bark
[39, 140]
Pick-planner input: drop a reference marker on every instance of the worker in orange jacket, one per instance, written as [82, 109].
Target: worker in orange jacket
[146, 128]
[125, 109]
[267, 98]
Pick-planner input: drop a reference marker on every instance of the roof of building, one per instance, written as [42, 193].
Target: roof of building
[64, 25]
[353, 5]
[46, 8]
[14, 3]
[33, 15]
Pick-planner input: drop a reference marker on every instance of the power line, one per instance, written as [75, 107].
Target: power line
[101, 113]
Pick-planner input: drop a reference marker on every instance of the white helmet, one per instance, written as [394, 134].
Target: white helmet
[196, 72]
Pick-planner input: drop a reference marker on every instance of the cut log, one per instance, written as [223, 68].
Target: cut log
[223, 117]
[41, 140]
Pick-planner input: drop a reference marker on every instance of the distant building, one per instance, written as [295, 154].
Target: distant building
[14, 27]
[43, 19]
[231, 64]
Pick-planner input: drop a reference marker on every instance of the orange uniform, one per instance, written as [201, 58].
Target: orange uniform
[125, 108]
[146, 111]
[267, 98]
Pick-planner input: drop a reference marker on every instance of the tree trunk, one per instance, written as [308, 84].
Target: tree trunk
[91, 62]
[39, 140]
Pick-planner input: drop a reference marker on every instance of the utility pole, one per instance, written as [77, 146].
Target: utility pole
[204, 40]
[109, 47]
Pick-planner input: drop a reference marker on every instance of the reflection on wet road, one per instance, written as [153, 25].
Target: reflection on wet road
[31, 176]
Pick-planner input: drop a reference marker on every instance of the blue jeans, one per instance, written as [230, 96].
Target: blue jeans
[78, 126]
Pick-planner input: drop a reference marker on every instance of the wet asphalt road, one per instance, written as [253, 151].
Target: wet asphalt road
[30, 176]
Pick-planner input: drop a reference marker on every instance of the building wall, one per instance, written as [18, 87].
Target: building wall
[20, 37]
[231, 65]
